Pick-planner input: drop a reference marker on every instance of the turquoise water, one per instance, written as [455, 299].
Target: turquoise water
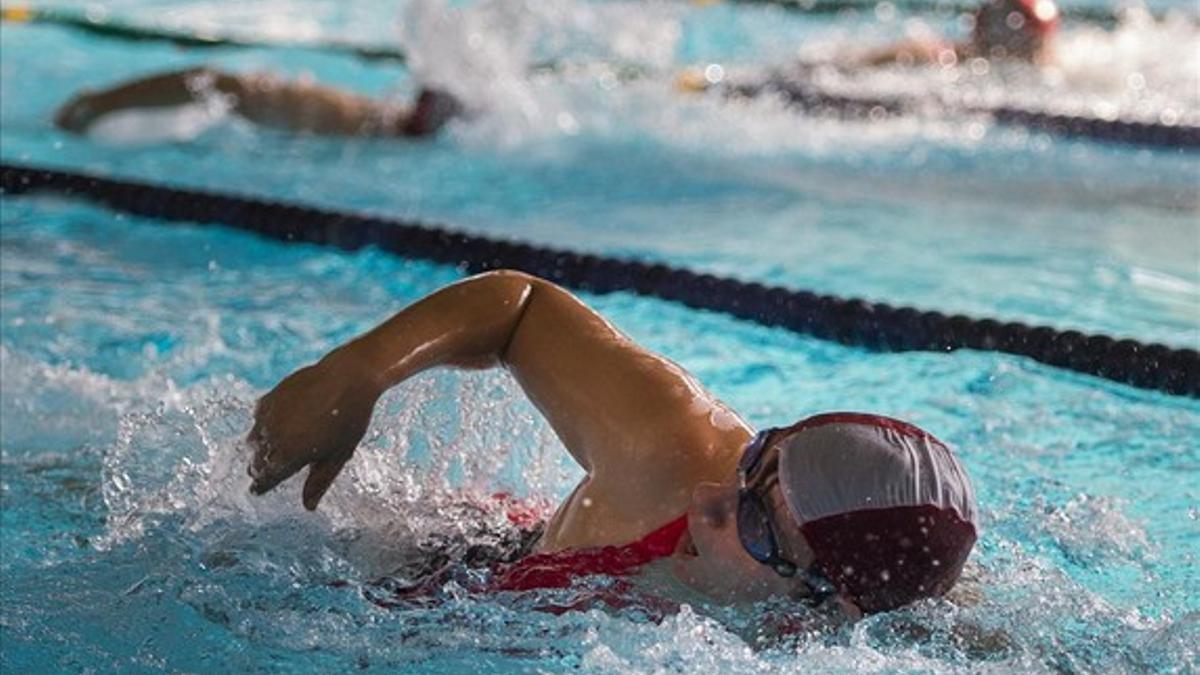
[131, 354]
[915, 211]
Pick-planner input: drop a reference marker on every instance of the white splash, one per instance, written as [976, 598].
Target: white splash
[148, 126]
[1142, 69]
[440, 440]
[486, 55]
[1096, 530]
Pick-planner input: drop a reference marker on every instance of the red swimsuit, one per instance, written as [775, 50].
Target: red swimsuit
[558, 569]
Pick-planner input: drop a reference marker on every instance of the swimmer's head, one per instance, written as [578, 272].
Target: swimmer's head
[1015, 29]
[431, 111]
[861, 507]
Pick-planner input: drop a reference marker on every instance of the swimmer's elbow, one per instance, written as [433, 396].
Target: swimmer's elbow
[514, 285]
[484, 313]
[517, 288]
[506, 275]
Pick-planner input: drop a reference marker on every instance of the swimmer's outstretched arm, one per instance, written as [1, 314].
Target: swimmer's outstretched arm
[263, 99]
[911, 52]
[631, 418]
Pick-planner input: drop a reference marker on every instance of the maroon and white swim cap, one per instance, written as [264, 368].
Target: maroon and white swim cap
[886, 508]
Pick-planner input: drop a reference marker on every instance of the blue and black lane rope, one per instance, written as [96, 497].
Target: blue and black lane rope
[118, 29]
[799, 94]
[849, 321]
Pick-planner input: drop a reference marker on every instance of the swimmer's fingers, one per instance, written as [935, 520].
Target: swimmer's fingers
[76, 115]
[320, 477]
[263, 478]
[266, 469]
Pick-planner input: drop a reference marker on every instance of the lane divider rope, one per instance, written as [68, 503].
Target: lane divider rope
[849, 321]
[100, 25]
[797, 93]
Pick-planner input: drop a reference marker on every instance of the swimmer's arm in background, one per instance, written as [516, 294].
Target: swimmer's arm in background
[910, 52]
[263, 99]
[163, 90]
[631, 418]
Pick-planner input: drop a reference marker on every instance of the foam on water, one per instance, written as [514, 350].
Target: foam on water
[141, 126]
[1140, 70]
[1143, 69]
[487, 56]
[484, 54]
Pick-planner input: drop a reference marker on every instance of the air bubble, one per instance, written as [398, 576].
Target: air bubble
[714, 73]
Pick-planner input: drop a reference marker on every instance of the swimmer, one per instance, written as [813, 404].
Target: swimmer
[1014, 30]
[1017, 31]
[267, 100]
[858, 510]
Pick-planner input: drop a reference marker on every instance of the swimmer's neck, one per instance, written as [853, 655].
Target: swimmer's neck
[588, 518]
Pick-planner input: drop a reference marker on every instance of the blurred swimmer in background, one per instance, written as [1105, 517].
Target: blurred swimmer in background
[1015, 30]
[291, 105]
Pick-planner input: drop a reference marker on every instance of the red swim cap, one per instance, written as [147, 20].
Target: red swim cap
[1039, 16]
[886, 508]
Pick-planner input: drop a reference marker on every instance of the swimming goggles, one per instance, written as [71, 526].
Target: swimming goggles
[755, 531]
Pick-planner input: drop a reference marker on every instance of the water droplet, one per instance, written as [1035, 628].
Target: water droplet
[714, 73]
[567, 123]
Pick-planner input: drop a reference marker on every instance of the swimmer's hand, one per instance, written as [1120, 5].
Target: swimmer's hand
[79, 113]
[315, 417]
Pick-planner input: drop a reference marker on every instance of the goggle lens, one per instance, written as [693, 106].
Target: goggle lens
[753, 530]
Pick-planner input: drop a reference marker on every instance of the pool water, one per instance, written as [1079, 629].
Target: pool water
[912, 211]
[131, 353]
